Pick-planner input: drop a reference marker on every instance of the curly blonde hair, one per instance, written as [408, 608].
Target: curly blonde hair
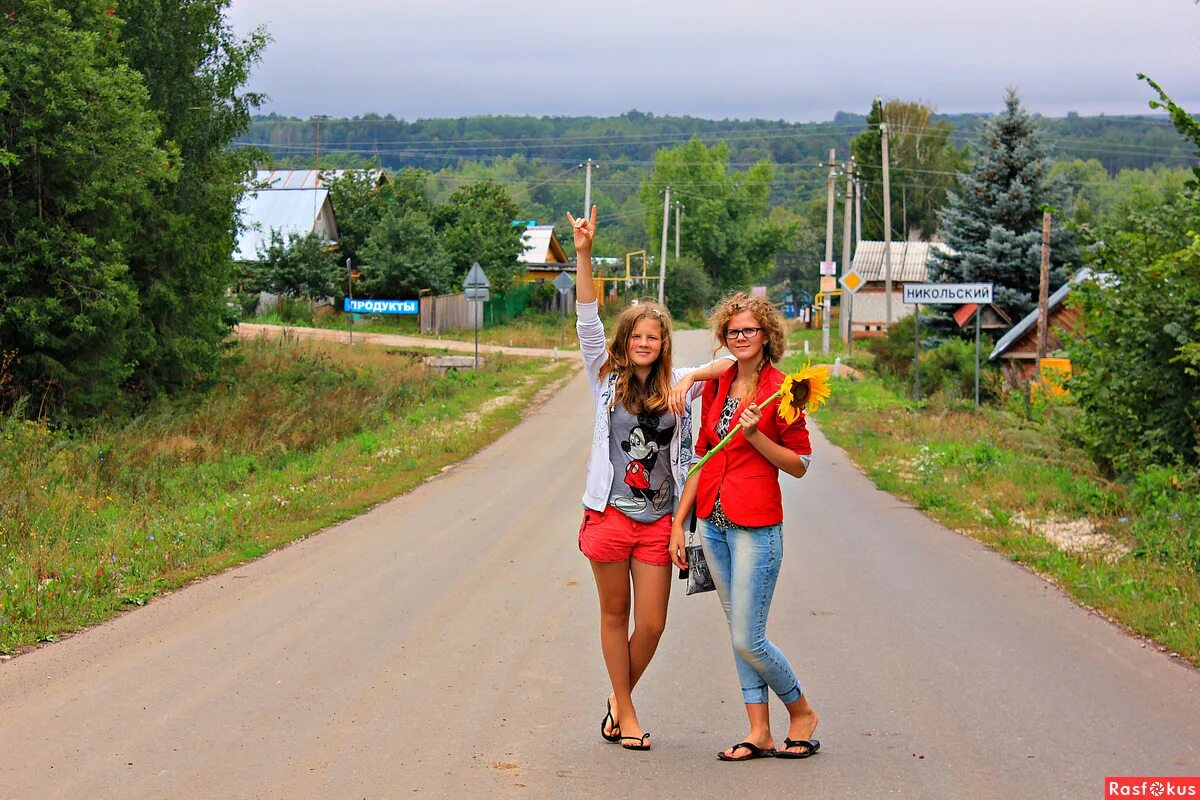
[769, 319]
[635, 395]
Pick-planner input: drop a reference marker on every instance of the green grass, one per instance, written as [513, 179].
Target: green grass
[296, 436]
[533, 329]
[990, 472]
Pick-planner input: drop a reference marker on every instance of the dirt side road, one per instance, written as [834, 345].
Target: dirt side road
[248, 330]
[444, 646]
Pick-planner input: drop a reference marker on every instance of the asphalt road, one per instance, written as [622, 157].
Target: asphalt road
[445, 645]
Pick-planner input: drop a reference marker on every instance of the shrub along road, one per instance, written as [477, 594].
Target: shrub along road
[445, 645]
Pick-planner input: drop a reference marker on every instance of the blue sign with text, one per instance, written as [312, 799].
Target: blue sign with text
[381, 306]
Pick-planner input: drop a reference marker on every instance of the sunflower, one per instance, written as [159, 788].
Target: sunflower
[817, 379]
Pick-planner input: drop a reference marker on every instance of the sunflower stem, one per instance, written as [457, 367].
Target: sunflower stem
[697, 466]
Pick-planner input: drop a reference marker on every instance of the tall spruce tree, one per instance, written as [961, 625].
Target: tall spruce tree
[79, 169]
[994, 220]
[195, 69]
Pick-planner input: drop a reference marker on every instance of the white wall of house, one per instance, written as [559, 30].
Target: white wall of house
[870, 307]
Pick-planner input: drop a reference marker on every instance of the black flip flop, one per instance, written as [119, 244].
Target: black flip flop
[614, 735]
[641, 739]
[755, 752]
[811, 747]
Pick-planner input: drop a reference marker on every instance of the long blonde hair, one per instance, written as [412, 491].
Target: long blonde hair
[769, 319]
[638, 396]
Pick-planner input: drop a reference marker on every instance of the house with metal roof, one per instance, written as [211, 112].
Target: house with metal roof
[286, 211]
[308, 178]
[544, 256]
[1017, 349]
[909, 264]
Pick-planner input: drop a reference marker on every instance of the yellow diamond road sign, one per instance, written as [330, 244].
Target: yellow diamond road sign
[851, 281]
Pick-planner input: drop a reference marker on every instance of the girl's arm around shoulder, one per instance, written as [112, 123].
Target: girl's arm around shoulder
[689, 382]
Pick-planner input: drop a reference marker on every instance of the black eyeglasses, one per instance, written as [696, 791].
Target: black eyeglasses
[740, 333]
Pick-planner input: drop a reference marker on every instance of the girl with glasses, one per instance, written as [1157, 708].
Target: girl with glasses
[739, 505]
[641, 452]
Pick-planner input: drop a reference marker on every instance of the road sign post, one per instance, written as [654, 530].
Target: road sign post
[564, 284]
[851, 282]
[828, 270]
[350, 295]
[956, 294]
[476, 290]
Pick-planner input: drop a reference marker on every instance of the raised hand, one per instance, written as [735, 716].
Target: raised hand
[584, 230]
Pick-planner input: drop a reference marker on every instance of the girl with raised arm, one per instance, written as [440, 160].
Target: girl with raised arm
[739, 505]
[641, 451]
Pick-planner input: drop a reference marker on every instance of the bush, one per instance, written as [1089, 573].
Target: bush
[688, 289]
[1166, 521]
[894, 352]
[950, 368]
[1132, 372]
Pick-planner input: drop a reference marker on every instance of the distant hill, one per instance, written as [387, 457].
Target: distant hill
[1118, 142]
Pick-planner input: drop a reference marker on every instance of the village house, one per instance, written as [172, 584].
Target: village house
[1017, 349]
[910, 262]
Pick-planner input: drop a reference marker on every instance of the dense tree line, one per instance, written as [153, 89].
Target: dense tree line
[121, 191]
[1119, 142]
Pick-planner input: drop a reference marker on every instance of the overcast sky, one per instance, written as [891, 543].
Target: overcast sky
[774, 59]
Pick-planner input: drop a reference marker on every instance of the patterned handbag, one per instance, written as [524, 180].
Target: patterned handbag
[697, 575]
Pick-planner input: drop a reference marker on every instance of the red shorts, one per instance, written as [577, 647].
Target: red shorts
[611, 536]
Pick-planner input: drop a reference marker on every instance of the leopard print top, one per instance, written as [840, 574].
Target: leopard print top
[724, 423]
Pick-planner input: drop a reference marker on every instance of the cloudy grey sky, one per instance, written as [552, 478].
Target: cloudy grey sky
[773, 59]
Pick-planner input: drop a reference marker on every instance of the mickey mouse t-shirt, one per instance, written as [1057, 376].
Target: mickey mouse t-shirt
[639, 447]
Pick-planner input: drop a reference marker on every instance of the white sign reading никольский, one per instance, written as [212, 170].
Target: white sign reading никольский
[947, 293]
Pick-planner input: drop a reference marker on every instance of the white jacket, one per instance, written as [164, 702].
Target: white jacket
[600, 469]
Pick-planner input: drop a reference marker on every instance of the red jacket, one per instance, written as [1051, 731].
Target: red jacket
[748, 482]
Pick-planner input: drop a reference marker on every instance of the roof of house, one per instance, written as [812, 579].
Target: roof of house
[306, 178]
[963, 314]
[285, 210]
[909, 260]
[1021, 328]
[541, 247]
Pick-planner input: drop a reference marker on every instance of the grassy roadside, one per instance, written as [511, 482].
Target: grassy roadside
[1012, 480]
[527, 330]
[297, 436]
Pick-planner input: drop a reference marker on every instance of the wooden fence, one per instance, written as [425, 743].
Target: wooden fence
[449, 312]
[454, 312]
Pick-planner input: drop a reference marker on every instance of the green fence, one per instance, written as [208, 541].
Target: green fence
[502, 308]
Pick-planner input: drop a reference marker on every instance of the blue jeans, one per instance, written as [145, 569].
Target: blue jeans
[744, 564]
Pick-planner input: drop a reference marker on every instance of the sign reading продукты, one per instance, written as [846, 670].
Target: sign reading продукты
[381, 306]
[947, 293]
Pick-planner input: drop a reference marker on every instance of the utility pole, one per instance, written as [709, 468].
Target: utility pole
[678, 227]
[826, 306]
[662, 264]
[857, 211]
[887, 225]
[318, 156]
[587, 190]
[1043, 291]
[847, 297]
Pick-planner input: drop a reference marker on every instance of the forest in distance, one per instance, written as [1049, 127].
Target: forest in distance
[539, 161]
